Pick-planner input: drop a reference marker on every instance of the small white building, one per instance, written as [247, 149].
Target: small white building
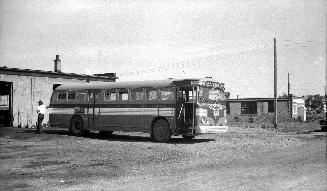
[255, 107]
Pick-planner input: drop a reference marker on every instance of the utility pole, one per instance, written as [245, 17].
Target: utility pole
[288, 84]
[288, 93]
[275, 84]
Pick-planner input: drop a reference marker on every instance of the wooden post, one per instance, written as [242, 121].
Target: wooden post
[275, 84]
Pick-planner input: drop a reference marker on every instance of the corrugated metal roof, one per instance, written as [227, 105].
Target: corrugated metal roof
[29, 72]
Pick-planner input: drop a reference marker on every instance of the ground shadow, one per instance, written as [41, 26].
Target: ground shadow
[319, 130]
[46, 131]
[25, 134]
[314, 131]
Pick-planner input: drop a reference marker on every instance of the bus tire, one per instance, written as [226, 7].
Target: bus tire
[161, 131]
[77, 126]
[188, 137]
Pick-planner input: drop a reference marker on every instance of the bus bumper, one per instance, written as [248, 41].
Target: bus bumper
[210, 129]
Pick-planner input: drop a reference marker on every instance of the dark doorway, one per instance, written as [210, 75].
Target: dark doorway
[6, 104]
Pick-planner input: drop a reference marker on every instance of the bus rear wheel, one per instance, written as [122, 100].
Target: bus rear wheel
[77, 126]
[161, 131]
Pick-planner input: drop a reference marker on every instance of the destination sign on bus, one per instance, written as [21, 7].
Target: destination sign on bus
[210, 84]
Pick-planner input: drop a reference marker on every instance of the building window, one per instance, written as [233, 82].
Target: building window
[271, 107]
[4, 102]
[249, 107]
[227, 108]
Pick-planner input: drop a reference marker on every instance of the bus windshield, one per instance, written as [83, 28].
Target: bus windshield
[210, 95]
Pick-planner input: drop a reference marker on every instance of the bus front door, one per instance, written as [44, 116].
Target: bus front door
[185, 117]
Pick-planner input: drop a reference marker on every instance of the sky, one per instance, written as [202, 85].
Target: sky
[229, 40]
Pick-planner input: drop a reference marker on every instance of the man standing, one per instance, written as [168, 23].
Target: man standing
[41, 111]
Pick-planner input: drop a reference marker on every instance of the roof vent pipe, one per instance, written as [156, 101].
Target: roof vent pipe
[57, 64]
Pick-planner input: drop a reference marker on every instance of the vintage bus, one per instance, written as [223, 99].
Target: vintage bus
[162, 108]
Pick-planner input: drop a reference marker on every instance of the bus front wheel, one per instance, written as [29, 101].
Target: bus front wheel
[161, 131]
[77, 126]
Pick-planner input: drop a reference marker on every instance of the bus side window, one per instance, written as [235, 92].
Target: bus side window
[123, 95]
[190, 96]
[182, 95]
[81, 97]
[110, 95]
[166, 94]
[137, 95]
[152, 95]
[54, 97]
[71, 96]
[91, 96]
[62, 96]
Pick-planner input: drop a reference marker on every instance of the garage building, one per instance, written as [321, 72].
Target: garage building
[21, 89]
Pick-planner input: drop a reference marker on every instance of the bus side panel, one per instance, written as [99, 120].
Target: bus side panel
[134, 119]
[92, 122]
[127, 119]
[60, 115]
[60, 120]
[133, 123]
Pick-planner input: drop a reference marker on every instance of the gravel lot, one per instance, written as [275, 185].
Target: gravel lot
[242, 159]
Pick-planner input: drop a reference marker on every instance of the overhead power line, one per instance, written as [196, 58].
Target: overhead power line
[196, 61]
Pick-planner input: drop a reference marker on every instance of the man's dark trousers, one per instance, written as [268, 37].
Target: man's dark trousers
[40, 118]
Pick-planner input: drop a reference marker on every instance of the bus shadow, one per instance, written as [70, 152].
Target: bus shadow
[116, 137]
[135, 138]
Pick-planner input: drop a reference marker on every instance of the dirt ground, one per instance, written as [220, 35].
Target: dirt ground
[242, 159]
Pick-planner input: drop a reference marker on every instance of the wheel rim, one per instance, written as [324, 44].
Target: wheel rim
[159, 131]
[77, 126]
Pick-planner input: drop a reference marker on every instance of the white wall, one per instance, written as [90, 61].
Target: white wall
[27, 91]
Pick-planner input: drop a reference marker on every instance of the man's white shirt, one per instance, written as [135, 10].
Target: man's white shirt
[41, 109]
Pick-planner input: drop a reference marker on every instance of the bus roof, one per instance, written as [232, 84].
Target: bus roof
[131, 84]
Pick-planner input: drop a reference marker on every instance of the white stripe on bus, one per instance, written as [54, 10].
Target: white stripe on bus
[61, 110]
[118, 111]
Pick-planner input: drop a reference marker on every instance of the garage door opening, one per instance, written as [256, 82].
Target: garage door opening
[6, 104]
